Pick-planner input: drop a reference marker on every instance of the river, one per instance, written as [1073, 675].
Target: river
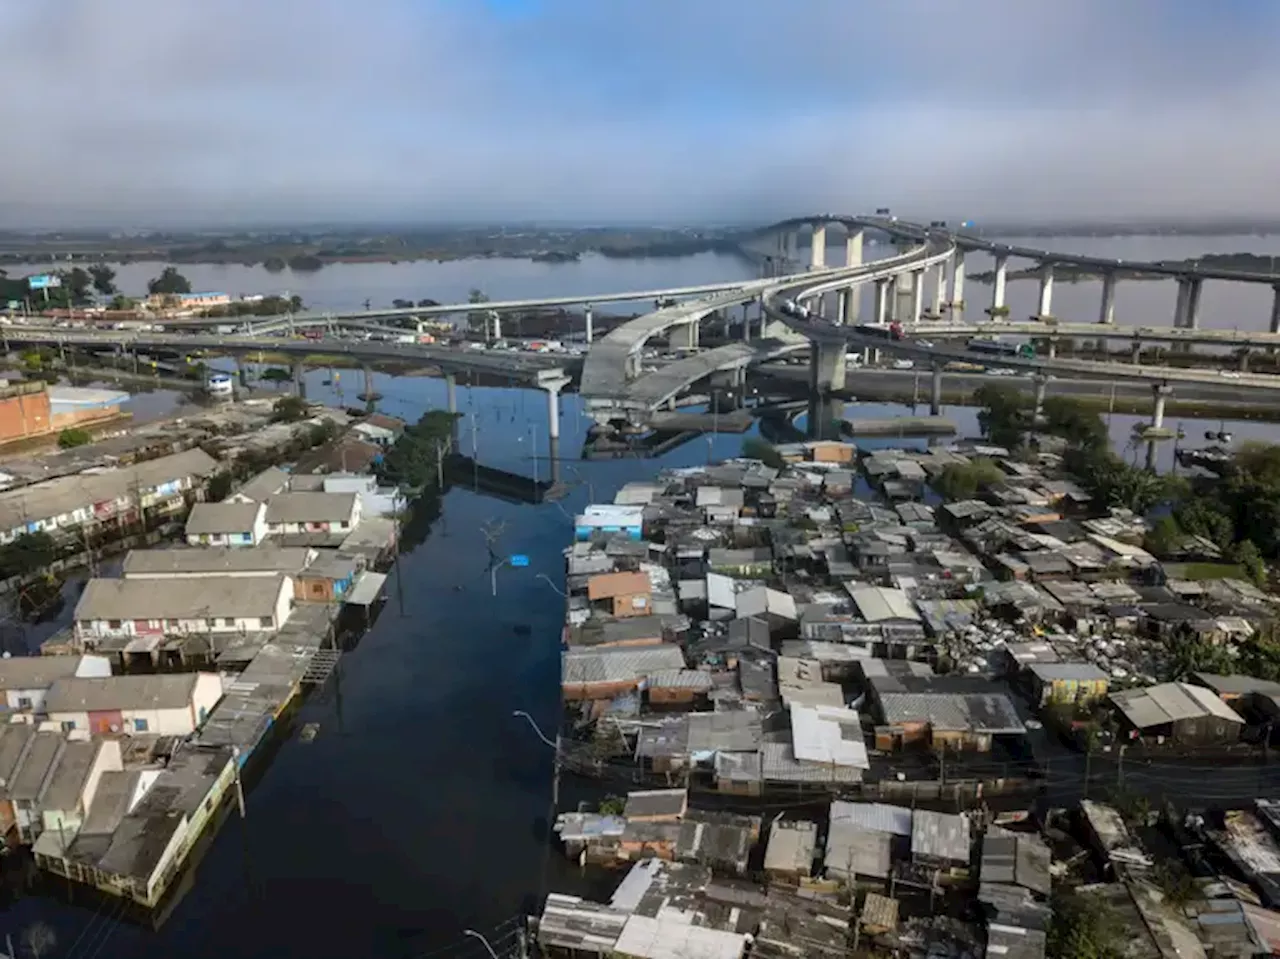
[421, 807]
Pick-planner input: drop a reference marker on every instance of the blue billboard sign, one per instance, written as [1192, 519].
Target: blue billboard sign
[519, 559]
[44, 281]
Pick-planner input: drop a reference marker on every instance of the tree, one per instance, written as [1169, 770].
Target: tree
[1069, 418]
[121, 302]
[1164, 537]
[412, 459]
[169, 282]
[1246, 555]
[755, 448]
[1002, 415]
[38, 939]
[289, 409]
[477, 319]
[963, 480]
[1083, 927]
[104, 279]
[276, 374]
[27, 553]
[76, 284]
[74, 436]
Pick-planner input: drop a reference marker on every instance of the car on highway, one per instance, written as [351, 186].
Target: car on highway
[1002, 371]
[904, 364]
[924, 344]
[1229, 374]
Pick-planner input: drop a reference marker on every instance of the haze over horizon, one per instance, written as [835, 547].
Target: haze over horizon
[145, 113]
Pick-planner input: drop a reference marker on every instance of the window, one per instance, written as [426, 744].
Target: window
[211, 623]
[139, 725]
[228, 622]
[24, 702]
[113, 624]
[68, 725]
[266, 622]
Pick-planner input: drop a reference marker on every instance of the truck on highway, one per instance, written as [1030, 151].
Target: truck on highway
[891, 332]
[993, 346]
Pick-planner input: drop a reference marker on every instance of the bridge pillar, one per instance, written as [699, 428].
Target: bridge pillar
[1186, 315]
[850, 298]
[1107, 312]
[1052, 349]
[496, 319]
[818, 252]
[881, 308]
[902, 296]
[1275, 308]
[917, 296]
[553, 385]
[788, 250]
[590, 321]
[299, 382]
[242, 372]
[853, 248]
[451, 391]
[1046, 292]
[935, 390]
[998, 285]
[957, 280]
[684, 337]
[940, 291]
[826, 367]
[1135, 352]
[1041, 386]
[1162, 392]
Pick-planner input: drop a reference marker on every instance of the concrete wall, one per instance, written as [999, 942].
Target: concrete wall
[24, 413]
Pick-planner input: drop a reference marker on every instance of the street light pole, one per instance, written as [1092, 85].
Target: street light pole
[547, 579]
[483, 941]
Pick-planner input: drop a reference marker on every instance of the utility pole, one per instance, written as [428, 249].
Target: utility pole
[235, 758]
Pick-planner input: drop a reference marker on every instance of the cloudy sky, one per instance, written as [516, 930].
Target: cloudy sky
[152, 112]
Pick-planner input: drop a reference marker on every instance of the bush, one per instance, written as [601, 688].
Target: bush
[289, 409]
[753, 447]
[73, 437]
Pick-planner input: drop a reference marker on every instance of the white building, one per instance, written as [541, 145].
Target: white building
[181, 562]
[72, 787]
[227, 524]
[112, 608]
[84, 499]
[164, 704]
[312, 512]
[270, 481]
[375, 500]
[24, 680]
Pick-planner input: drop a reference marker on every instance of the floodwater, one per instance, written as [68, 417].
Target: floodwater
[421, 808]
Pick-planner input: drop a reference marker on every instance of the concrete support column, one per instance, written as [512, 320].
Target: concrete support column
[998, 284]
[553, 381]
[1275, 308]
[1107, 311]
[685, 336]
[1053, 349]
[842, 316]
[1186, 311]
[1162, 393]
[903, 294]
[935, 391]
[242, 372]
[917, 296]
[853, 248]
[496, 319]
[1041, 385]
[1046, 292]
[957, 281]
[590, 323]
[451, 391]
[881, 308]
[788, 250]
[940, 291]
[299, 381]
[1135, 352]
[818, 252]
[826, 367]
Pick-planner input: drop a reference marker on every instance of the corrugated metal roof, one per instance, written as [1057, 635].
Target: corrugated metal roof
[877, 604]
[875, 816]
[618, 664]
[828, 735]
[791, 846]
[940, 835]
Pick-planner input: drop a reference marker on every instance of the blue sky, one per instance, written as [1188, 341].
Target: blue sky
[155, 111]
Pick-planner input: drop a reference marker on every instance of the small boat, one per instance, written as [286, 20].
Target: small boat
[309, 732]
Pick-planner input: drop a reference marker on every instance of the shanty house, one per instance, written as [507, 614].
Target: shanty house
[312, 512]
[71, 790]
[1177, 712]
[226, 524]
[605, 672]
[24, 680]
[115, 608]
[1066, 683]
[165, 704]
[622, 594]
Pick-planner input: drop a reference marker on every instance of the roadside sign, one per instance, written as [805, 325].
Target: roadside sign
[519, 559]
[44, 281]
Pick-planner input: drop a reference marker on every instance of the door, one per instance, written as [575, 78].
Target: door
[105, 722]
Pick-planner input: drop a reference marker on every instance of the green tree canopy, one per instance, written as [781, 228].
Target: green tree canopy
[1003, 414]
[963, 480]
[104, 279]
[289, 409]
[169, 282]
